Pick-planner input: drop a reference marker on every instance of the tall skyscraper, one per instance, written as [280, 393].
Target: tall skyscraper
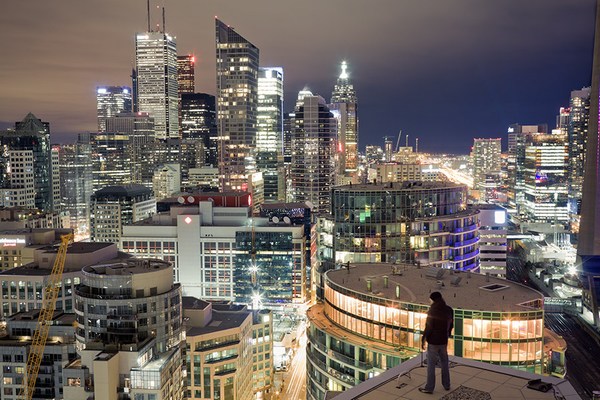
[34, 135]
[344, 104]
[588, 248]
[486, 165]
[313, 152]
[577, 131]
[76, 183]
[237, 103]
[269, 138]
[185, 73]
[110, 101]
[156, 80]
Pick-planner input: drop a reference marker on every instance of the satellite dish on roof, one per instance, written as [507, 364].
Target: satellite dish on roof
[287, 220]
[181, 200]
[190, 199]
[275, 220]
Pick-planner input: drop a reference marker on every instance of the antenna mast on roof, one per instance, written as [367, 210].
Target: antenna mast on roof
[164, 30]
[148, 6]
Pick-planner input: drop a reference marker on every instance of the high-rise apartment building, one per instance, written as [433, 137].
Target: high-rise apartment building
[129, 333]
[545, 178]
[110, 101]
[344, 105]
[32, 135]
[185, 73]
[269, 137]
[577, 138]
[485, 157]
[237, 104]
[493, 228]
[156, 80]
[313, 152]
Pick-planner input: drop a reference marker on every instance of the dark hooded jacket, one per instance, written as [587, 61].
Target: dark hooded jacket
[440, 322]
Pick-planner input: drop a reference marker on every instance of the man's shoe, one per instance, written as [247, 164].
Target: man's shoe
[447, 388]
[423, 390]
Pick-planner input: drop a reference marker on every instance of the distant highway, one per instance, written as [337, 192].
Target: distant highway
[457, 177]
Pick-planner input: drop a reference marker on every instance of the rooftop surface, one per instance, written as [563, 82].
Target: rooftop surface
[398, 186]
[416, 284]
[220, 321]
[127, 267]
[470, 380]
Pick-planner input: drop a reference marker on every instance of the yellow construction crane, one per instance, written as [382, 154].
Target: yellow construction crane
[34, 359]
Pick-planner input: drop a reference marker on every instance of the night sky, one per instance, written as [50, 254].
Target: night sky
[441, 70]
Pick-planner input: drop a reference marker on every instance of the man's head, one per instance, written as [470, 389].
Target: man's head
[435, 296]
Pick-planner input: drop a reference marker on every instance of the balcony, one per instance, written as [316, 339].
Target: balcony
[468, 228]
[220, 359]
[466, 256]
[348, 360]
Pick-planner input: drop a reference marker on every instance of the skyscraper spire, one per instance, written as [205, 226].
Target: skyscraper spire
[344, 105]
[588, 248]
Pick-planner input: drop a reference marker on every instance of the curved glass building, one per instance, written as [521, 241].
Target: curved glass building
[424, 223]
[372, 317]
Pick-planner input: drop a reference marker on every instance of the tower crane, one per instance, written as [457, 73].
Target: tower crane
[34, 359]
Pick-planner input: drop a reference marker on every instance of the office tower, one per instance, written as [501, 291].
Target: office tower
[545, 178]
[517, 137]
[220, 253]
[185, 74]
[198, 132]
[127, 140]
[344, 104]
[400, 172]
[129, 333]
[493, 228]
[373, 315]
[577, 138]
[110, 101]
[111, 159]
[55, 163]
[237, 102]
[16, 346]
[76, 184]
[156, 79]
[269, 136]
[485, 157]
[166, 181]
[313, 152]
[30, 134]
[588, 248]
[114, 207]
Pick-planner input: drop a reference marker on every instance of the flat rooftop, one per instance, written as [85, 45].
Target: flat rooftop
[472, 380]
[80, 247]
[59, 317]
[131, 266]
[400, 186]
[220, 321]
[473, 291]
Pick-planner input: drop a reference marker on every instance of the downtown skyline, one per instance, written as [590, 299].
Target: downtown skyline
[428, 70]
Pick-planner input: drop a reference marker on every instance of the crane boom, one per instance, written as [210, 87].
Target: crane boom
[36, 352]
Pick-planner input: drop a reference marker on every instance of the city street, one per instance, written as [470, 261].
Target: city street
[294, 380]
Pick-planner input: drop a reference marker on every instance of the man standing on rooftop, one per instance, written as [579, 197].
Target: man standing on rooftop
[438, 328]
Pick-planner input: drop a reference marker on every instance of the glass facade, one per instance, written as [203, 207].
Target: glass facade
[424, 223]
[373, 333]
[269, 263]
[237, 102]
